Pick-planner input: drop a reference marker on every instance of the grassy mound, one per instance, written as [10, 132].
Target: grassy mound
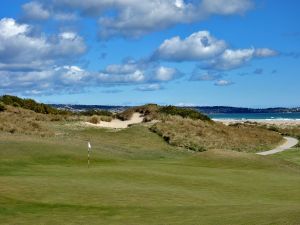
[18, 120]
[199, 135]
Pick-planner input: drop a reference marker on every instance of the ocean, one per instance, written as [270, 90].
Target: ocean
[256, 116]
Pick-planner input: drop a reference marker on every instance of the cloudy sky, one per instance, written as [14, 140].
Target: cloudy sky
[128, 52]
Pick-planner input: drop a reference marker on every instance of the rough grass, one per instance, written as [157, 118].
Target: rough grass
[136, 178]
[153, 111]
[199, 135]
[17, 120]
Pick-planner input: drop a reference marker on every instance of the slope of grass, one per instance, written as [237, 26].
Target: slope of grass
[292, 155]
[137, 178]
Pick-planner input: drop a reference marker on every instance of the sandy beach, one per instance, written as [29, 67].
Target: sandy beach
[278, 122]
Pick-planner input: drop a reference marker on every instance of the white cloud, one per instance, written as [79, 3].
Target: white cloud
[231, 59]
[20, 49]
[227, 7]
[205, 76]
[223, 83]
[203, 47]
[35, 11]
[165, 74]
[9, 28]
[150, 87]
[63, 16]
[133, 18]
[198, 46]
[265, 52]
[137, 72]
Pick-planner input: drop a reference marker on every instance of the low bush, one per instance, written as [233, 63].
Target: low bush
[93, 112]
[184, 113]
[106, 118]
[126, 114]
[31, 105]
[94, 120]
[2, 107]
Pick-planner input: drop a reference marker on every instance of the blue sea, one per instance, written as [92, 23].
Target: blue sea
[256, 116]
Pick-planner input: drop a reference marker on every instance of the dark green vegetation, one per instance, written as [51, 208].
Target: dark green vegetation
[184, 113]
[93, 112]
[2, 107]
[30, 104]
[153, 111]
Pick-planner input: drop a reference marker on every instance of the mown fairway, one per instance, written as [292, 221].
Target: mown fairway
[136, 178]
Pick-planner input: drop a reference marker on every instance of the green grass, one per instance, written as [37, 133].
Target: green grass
[137, 178]
[292, 155]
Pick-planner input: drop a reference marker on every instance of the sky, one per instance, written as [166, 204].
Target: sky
[241, 53]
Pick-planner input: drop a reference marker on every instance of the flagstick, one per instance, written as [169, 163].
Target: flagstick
[89, 149]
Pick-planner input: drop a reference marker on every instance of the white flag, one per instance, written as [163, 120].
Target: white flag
[89, 145]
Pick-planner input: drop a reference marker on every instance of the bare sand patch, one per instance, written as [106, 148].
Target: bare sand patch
[119, 124]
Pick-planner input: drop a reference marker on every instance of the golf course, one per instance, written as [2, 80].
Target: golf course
[135, 177]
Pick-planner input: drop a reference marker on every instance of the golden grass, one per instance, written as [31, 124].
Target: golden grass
[201, 135]
[18, 120]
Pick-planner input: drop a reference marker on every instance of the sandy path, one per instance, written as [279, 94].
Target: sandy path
[119, 124]
[290, 142]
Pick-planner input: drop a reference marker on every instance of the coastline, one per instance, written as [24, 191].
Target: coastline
[278, 122]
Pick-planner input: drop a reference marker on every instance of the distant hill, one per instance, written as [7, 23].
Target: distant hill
[203, 109]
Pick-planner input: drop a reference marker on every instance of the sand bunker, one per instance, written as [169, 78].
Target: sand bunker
[119, 124]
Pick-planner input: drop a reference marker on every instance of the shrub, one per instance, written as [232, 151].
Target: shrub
[106, 118]
[94, 120]
[126, 115]
[2, 107]
[93, 112]
[31, 105]
[184, 113]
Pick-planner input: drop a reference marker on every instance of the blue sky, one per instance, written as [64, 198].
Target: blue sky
[131, 52]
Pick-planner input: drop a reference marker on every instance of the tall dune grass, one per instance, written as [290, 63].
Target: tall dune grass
[199, 135]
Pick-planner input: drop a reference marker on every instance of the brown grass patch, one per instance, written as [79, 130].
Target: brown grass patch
[18, 120]
[201, 135]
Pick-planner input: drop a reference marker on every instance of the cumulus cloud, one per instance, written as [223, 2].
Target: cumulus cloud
[265, 52]
[227, 7]
[133, 18]
[205, 76]
[198, 46]
[35, 11]
[150, 87]
[73, 79]
[223, 83]
[202, 47]
[231, 59]
[19, 49]
[137, 72]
